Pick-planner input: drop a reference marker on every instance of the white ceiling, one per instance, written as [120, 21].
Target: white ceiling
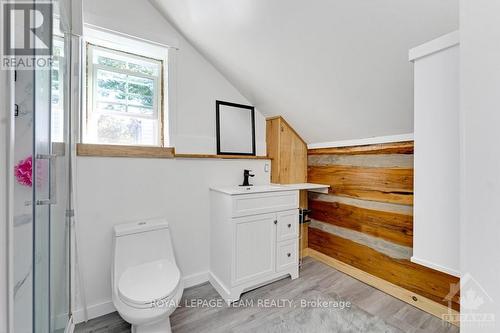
[335, 69]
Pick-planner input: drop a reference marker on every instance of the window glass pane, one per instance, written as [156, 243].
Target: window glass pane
[125, 100]
[106, 61]
[140, 110]
[141, 91]
[111, 107]
[111, 86]
[144, 68]
[122, 60]
[126, 130]
[140, 100]
[127, 93]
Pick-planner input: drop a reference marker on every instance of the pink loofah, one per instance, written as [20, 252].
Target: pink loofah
[23, 172]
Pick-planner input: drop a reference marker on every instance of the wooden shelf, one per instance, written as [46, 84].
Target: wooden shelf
[228, 157]
[84, 149]
[95, 150]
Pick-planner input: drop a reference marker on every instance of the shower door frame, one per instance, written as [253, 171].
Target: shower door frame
[7, 204]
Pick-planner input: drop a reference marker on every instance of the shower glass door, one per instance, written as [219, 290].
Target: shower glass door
[50, 229]
[42, 207]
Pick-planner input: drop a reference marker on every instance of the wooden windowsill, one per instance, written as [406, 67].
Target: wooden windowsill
[96, 150]
[85, 149]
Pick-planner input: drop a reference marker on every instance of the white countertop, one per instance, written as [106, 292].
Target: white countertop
[236, 190]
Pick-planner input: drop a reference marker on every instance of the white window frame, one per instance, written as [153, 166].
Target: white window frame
[114, 42]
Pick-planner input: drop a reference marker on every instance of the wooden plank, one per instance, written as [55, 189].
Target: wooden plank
[385, 148]
[285, 123]
[439, 310]
[288, 151]
[273, 147]
[303, 198]
[371, 161]
[391, 226]
[228, 157]
[303, 203]
[293, 156]
[394, 185]
[403, 273]
[123, 151]
[303, 239]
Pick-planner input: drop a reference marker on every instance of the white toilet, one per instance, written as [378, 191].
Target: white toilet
[146, 281]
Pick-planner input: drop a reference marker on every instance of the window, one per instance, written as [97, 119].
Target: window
[124, 98]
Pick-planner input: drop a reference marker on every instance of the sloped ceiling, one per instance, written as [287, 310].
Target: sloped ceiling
[335, 69]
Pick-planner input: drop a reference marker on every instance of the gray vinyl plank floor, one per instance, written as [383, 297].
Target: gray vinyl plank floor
[315, 277]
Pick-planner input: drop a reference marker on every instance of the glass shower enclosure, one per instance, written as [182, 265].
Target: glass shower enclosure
[42, 190]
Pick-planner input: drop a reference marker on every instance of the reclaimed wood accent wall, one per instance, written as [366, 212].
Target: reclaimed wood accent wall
[366, 219]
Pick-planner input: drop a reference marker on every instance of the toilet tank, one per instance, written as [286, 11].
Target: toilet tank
[141, 242]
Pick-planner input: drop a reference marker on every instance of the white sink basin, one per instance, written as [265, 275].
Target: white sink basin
[261, 188]
[252, 189]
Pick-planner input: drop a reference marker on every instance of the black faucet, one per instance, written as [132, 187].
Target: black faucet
[247, 174]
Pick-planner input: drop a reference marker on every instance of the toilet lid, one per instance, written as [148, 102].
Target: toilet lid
[149, 282]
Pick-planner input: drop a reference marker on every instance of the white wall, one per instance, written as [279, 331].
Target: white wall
[480, 108]
[118, 190]
[436, 238]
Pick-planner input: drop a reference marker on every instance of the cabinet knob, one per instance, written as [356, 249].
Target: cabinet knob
[275, 221]
[289, 225]
[288, 255]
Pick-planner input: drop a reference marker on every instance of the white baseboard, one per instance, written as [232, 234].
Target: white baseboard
[436, 267]
[101, 309]
[215, 282]
[195, 279]
[362, 142]
[94, 311]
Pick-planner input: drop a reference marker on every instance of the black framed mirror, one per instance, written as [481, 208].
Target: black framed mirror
[235, 128]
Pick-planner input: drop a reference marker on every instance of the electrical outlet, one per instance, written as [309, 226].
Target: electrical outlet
[266, 167]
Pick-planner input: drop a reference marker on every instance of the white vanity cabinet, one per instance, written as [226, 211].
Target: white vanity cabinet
[253, 239]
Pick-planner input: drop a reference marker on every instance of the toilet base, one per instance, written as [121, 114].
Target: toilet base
[162, 326]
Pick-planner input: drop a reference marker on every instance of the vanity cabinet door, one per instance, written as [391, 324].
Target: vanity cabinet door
[287, 255]
[288, 225]
[255, 247]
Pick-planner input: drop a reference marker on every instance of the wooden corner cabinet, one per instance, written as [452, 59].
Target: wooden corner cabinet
[288, 151]
[289, 162]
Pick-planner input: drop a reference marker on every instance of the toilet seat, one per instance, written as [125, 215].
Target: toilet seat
[149, 285]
